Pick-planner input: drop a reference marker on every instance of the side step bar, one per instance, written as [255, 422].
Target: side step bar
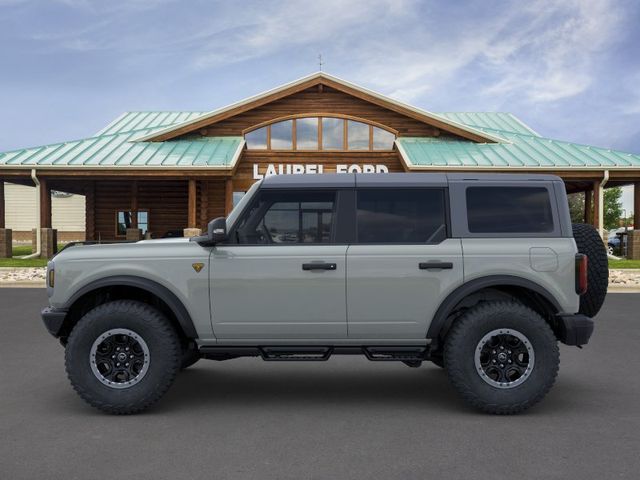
[416, 353]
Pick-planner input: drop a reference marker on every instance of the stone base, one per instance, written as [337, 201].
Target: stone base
[192, 232]
[6, 243]
[48, 242]
[134, 234]
[633, 245]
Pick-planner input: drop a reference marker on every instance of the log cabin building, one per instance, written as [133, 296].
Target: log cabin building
[158, 174]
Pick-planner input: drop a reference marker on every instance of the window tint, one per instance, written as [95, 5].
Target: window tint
[509, 210]
[401, 215]
[288, 217]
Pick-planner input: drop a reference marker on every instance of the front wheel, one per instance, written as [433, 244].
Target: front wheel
[122, 356]
[502, 357]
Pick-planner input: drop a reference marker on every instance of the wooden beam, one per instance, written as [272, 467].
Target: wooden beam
[192, 215]
[45, 203]
[228, 196]
[596, 204]
[588, 207]
[204, 205]
[90, 210]
[2, 203]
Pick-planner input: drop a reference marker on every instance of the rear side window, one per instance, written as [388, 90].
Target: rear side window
[390, 215]
[509, 210]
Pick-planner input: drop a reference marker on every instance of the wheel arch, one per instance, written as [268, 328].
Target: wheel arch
[535, 296]
[129, 286]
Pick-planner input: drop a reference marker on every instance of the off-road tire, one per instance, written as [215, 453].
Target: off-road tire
[589, 242]
[463, 339]
[164, 356]
[190, 355]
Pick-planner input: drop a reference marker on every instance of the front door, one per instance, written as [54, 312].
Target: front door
[402, 263]
[281, 276]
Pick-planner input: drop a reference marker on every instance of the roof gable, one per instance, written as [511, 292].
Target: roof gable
[322, 78]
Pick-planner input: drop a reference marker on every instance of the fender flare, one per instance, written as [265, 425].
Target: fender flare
[160, 291]
[439, 322]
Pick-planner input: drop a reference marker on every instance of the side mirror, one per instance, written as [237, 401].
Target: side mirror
[217, 230]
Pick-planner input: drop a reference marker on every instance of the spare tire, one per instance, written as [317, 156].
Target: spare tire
[589, 242]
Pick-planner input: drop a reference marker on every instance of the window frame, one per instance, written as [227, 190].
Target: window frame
[319, 117]
[445, 203]
[135, 217]
[232, 239]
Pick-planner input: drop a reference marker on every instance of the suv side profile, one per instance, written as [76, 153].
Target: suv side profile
[480, 274]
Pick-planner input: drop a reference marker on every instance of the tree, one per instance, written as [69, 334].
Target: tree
[612, 207]
[576, 207]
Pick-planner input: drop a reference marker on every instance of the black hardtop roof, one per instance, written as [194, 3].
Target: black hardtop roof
[347, 180]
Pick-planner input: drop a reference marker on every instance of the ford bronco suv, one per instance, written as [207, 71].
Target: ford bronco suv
[482, 275]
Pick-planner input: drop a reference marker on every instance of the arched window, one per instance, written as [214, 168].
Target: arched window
[326, 133]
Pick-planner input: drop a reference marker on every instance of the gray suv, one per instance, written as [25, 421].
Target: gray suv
[482, 275]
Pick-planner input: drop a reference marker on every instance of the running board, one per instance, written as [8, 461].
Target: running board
[395, 354]
[292, 354]
[416, 353]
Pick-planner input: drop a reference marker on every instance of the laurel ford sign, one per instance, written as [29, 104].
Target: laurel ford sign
[312, 168]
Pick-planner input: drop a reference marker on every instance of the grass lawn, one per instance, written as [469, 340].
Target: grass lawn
[21, 250]
[624, 263]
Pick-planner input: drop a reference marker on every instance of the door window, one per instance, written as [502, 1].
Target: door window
[390, 215]
[290, 217]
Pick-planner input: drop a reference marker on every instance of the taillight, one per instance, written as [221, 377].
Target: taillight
[581, 273]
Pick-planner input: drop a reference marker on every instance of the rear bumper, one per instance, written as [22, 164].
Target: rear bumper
[574, 329]
[53, 319]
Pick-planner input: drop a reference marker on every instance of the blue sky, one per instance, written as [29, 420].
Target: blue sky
[570, 68]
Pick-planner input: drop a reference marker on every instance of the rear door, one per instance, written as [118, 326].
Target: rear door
[282, 276]
[402, 263]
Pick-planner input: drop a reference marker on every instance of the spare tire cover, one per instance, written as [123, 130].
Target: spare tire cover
[589, 242]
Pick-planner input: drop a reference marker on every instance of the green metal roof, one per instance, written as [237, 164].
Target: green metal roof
[521, 151]
[121, 150]
[130, 121]
[116, 146]
[505, 122]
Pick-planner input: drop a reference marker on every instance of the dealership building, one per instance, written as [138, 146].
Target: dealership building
[158, 174]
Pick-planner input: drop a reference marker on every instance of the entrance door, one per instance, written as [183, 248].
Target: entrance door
[281, 276]
[402, 264]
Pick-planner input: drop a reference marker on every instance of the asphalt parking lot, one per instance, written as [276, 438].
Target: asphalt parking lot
[343, 419]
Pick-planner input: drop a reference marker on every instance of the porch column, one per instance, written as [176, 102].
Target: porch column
[48, 235]
[228, 196]
[5, 233]
[588, 206]
[633, 236]
[192, 229]
[597, 205]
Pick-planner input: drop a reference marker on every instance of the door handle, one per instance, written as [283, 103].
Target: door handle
[435, 265]
[319, 266]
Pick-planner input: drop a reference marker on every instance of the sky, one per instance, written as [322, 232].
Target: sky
[570, 69]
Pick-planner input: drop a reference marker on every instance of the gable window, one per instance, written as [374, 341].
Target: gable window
[320, 133]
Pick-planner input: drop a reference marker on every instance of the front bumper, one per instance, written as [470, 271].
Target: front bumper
[53, 319]
[574, 329]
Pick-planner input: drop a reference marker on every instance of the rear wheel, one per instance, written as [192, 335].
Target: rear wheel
[502, 357]
[122, 356]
